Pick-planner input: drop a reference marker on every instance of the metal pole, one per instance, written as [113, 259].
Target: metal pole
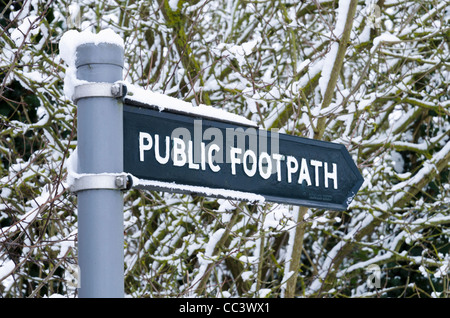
[100, 150]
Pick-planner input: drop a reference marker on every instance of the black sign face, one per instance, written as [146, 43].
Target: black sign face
[181, 153]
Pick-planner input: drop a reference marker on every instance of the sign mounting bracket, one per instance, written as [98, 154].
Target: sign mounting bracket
[102, 181]
[114, 90]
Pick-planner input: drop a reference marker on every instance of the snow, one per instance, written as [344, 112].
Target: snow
[68, 46]
[327, 68]
[27, 28]
[303, 65]
[72, 39]
[426, 169]
[206, 258]
[290, 246]
[165, 102]
[336, 35]
[6, 268]
[24, 222]
[342, 12]
[224, 193]
[278, 218]
[173, 4]
[386, 37]
[225, 205]
[239, 52]
[71, 165]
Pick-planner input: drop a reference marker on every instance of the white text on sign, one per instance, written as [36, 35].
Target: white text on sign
[181, 150]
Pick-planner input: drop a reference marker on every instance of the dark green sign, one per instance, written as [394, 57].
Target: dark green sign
[191, 154]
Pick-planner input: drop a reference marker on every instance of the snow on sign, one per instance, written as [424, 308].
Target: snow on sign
[186, 150]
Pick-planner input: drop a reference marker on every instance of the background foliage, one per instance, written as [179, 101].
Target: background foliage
[372, 75]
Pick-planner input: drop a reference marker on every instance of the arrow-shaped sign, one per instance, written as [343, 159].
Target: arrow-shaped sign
[188, 153]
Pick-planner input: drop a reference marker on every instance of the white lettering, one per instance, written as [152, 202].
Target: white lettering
[213, 147]
[179, 154]
[192, 165]
[316, 165]
[304, 173]
[142, 146]
[234, 159]
[185, 152]
[292, 166]
[277, 157]
[331, 175]
[162, 160]
[250, 172]
[265, 156]
[202, 154]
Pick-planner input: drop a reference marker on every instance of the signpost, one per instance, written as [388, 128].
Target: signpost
[100, 202]
[120, 139]
[190, 154]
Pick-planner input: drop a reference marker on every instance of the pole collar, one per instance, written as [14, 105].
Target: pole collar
[102, 181]
[113, 90]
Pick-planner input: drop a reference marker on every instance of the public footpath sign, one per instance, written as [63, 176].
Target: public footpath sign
[186, 153]
[125, 142]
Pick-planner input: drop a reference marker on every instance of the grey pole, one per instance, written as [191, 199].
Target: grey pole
[100, 150]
